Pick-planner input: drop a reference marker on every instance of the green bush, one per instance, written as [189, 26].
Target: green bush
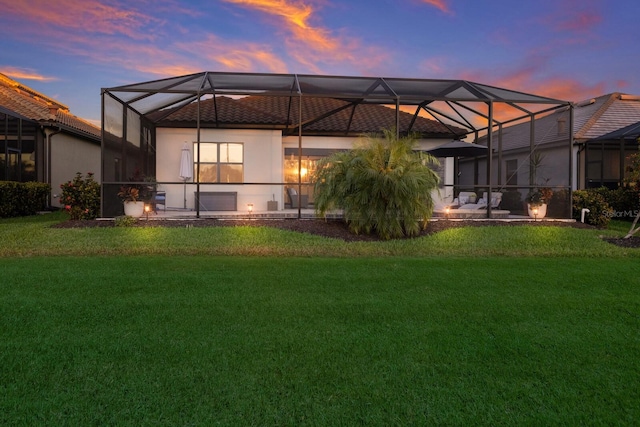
[81, 197]
[624, 201]
[22, 198]
[599, 210]
[383, 186]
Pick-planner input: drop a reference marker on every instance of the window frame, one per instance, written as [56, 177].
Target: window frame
[217, 163]
[511, 172]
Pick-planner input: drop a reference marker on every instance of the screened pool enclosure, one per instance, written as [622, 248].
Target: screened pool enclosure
[252, 140]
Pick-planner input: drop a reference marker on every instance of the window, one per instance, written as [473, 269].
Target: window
[219, 162]
[512, 172]
[562, 126]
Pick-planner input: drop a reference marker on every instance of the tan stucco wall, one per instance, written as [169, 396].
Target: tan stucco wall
[69, 155]
[263, 162]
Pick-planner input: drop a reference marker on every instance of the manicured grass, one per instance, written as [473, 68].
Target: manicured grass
[34, 237]
[203, 340]
[153, 326]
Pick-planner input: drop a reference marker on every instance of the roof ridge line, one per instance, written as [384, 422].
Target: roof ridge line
[8, 81]
[597, 115]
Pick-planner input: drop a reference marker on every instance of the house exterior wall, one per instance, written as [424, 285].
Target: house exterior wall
[69, 155]
[263, 163]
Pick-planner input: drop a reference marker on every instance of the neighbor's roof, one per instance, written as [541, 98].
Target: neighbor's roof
[592, 119]
[606, 114]
[448, 101]
[630, 132]
[23, 101]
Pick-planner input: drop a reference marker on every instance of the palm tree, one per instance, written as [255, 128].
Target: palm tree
[383, 185]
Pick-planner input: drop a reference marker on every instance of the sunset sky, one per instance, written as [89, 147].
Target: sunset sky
[566, 49]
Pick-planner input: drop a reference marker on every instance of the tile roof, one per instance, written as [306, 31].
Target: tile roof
[612, 112]
[320, 115]
[222, 109]
[628, 132]
[35, 106]
[592, 118]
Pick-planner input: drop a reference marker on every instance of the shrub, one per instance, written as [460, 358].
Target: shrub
[81, 197]
[624, 201]
[599, 210]
[22, 198]
[382, 185]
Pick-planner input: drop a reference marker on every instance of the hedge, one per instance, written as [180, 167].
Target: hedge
[22, 198]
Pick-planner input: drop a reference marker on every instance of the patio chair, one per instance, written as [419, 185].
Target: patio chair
[293, 198]
[158, 198]
[496, 199]
[464, 197]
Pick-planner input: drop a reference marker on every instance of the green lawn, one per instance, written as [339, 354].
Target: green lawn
[393, 333]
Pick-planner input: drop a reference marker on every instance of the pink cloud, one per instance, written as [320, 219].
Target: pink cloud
[580, 22]
[442, 5]
[574, 16]
[87, 16]
[531, 76]
[237, 56]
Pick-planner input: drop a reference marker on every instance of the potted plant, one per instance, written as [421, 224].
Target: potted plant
[136, 194]
[130, 196]
[537, 201]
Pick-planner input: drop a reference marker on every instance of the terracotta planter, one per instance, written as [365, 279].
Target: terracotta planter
[134, 209]
[542, 211]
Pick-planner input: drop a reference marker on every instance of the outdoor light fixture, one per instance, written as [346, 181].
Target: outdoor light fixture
[446, 211]
[535, 214]
[250, 207]
[147, 209]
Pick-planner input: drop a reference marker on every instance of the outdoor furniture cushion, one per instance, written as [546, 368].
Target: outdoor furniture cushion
[482, 203]
[464, 197]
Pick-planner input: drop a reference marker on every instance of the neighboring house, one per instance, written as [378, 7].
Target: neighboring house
[254, 138]
[558, 153]
[40, 140]
[607, 139]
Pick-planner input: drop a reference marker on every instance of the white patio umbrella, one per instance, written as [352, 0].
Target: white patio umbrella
[186, 169]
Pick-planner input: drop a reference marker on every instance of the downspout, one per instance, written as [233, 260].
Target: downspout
[198, 159]
[48, 132]
[299, 156]
[489, 158]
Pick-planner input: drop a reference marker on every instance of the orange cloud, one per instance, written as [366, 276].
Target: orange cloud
[25, 74]
[440, 4]
[126, 36]
[309, 44]
[296, 16]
